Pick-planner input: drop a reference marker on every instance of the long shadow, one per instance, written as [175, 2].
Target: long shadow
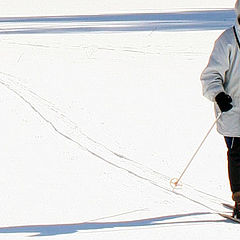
[57, 229]
[172, 21]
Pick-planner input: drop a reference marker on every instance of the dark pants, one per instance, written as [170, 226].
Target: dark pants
[233, 144]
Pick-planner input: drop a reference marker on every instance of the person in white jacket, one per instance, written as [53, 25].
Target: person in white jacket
[221, 84]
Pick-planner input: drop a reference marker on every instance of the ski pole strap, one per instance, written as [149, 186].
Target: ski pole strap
[236, 36]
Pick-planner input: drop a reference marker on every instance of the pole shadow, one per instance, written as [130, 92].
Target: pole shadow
[58, 229]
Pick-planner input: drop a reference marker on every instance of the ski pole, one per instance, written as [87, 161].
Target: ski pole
[175, 181]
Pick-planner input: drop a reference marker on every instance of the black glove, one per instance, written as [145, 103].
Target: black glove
[224, 101]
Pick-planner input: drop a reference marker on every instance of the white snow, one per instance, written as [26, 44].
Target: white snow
[99, 113]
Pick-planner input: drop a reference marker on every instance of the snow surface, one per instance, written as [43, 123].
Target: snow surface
[101, 107]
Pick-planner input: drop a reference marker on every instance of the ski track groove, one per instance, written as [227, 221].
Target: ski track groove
[96, 48]
[99, 150]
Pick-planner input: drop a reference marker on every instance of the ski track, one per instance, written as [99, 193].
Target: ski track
[134, 50]
[63, 126]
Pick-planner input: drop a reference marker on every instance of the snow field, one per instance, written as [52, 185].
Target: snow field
[136, 94]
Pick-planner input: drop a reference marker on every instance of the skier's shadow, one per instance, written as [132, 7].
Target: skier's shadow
[57, 229]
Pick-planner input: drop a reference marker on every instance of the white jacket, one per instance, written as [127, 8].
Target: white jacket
[222, 74]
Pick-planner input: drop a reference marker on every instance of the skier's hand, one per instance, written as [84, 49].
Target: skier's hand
[224, 101]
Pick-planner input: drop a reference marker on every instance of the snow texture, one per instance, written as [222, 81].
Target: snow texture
[101, 106]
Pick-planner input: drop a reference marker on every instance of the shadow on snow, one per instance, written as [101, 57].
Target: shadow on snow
[50, 230]
[174, 21]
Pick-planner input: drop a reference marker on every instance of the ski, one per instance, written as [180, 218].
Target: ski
[231, 207]
[230, 217]
[228, 206]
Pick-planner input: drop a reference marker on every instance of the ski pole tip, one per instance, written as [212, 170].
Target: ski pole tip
[174, 182]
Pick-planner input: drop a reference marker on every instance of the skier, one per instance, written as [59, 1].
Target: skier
[221, 84]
